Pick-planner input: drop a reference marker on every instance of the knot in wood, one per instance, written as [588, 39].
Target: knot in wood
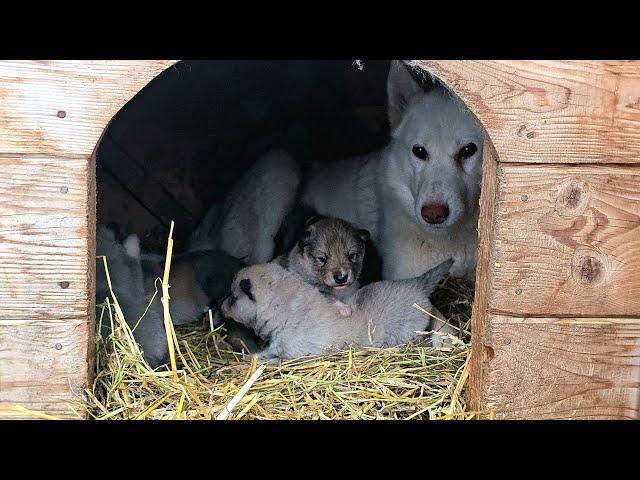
[572, 199]
[589, 270]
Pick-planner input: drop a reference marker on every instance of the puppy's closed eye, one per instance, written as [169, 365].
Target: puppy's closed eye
[245, 286]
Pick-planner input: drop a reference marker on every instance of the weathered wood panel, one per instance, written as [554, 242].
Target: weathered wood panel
[43, 237]
[584, 368]
[44, 364]
[45, 305]
[567, 241]
[62, 107]
[52, 114]
[484, 272]
[552, 111]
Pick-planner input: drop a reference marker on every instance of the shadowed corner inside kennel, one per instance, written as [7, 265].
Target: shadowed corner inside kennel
[556, 324]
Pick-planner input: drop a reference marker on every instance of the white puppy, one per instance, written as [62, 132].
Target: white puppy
[296, 319]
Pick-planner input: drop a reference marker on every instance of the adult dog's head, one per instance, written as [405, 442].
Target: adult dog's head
[436, 169]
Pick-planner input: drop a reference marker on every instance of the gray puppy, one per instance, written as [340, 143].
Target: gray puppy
[127, 279]
[199, 281]
[299, 320]
[329, 256]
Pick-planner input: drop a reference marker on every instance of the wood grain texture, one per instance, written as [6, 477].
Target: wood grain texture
[32, 93]
[484, 272]
[552, 111]
[52, 114]
[45, 304]
[43, 237]
[567, 241]
[43, 364]
[578, 368]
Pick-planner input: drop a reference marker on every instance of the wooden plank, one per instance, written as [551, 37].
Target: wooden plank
[567, 241]
[586, 368]
[552, 111]
[43, 237]
[62, 107]
[484, 271]
[46, 299]
[43, 365]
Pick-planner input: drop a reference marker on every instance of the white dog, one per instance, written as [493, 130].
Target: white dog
[418, 196]
[246, 224]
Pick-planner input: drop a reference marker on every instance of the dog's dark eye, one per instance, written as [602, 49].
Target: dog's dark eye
[322, 259]
[420, 152]
[354, 257]
[466, 151]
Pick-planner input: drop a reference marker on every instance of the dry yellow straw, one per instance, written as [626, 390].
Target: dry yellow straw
[228, 408]
[426, 312]
[168, 324]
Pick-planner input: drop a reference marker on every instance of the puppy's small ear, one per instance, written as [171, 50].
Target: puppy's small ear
[132, 246]
[245, 286]
[305, 238]
[313, 219]
[115, 228]
[364, 235]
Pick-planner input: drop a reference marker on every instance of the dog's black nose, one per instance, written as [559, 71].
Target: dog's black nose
[434, 213]
[341, 277]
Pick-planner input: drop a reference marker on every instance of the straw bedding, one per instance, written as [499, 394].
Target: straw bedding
[207, 380]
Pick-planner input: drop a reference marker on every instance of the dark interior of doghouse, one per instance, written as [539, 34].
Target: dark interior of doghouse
[180, 144]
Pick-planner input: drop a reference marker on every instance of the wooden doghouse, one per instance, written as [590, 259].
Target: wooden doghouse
[556, 327]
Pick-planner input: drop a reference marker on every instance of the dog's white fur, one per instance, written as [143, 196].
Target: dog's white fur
[384, 191]
[246, 225]
[298, 320]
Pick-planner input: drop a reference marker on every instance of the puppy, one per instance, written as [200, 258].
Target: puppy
[199, 281]
[297, 319]
[127, 279]
[329, 256]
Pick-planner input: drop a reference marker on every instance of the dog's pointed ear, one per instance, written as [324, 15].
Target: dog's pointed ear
[364, 235]
[401, 88]
[245, 286]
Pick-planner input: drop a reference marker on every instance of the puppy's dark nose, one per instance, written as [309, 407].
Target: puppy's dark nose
[341, 277]
[434, 213]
